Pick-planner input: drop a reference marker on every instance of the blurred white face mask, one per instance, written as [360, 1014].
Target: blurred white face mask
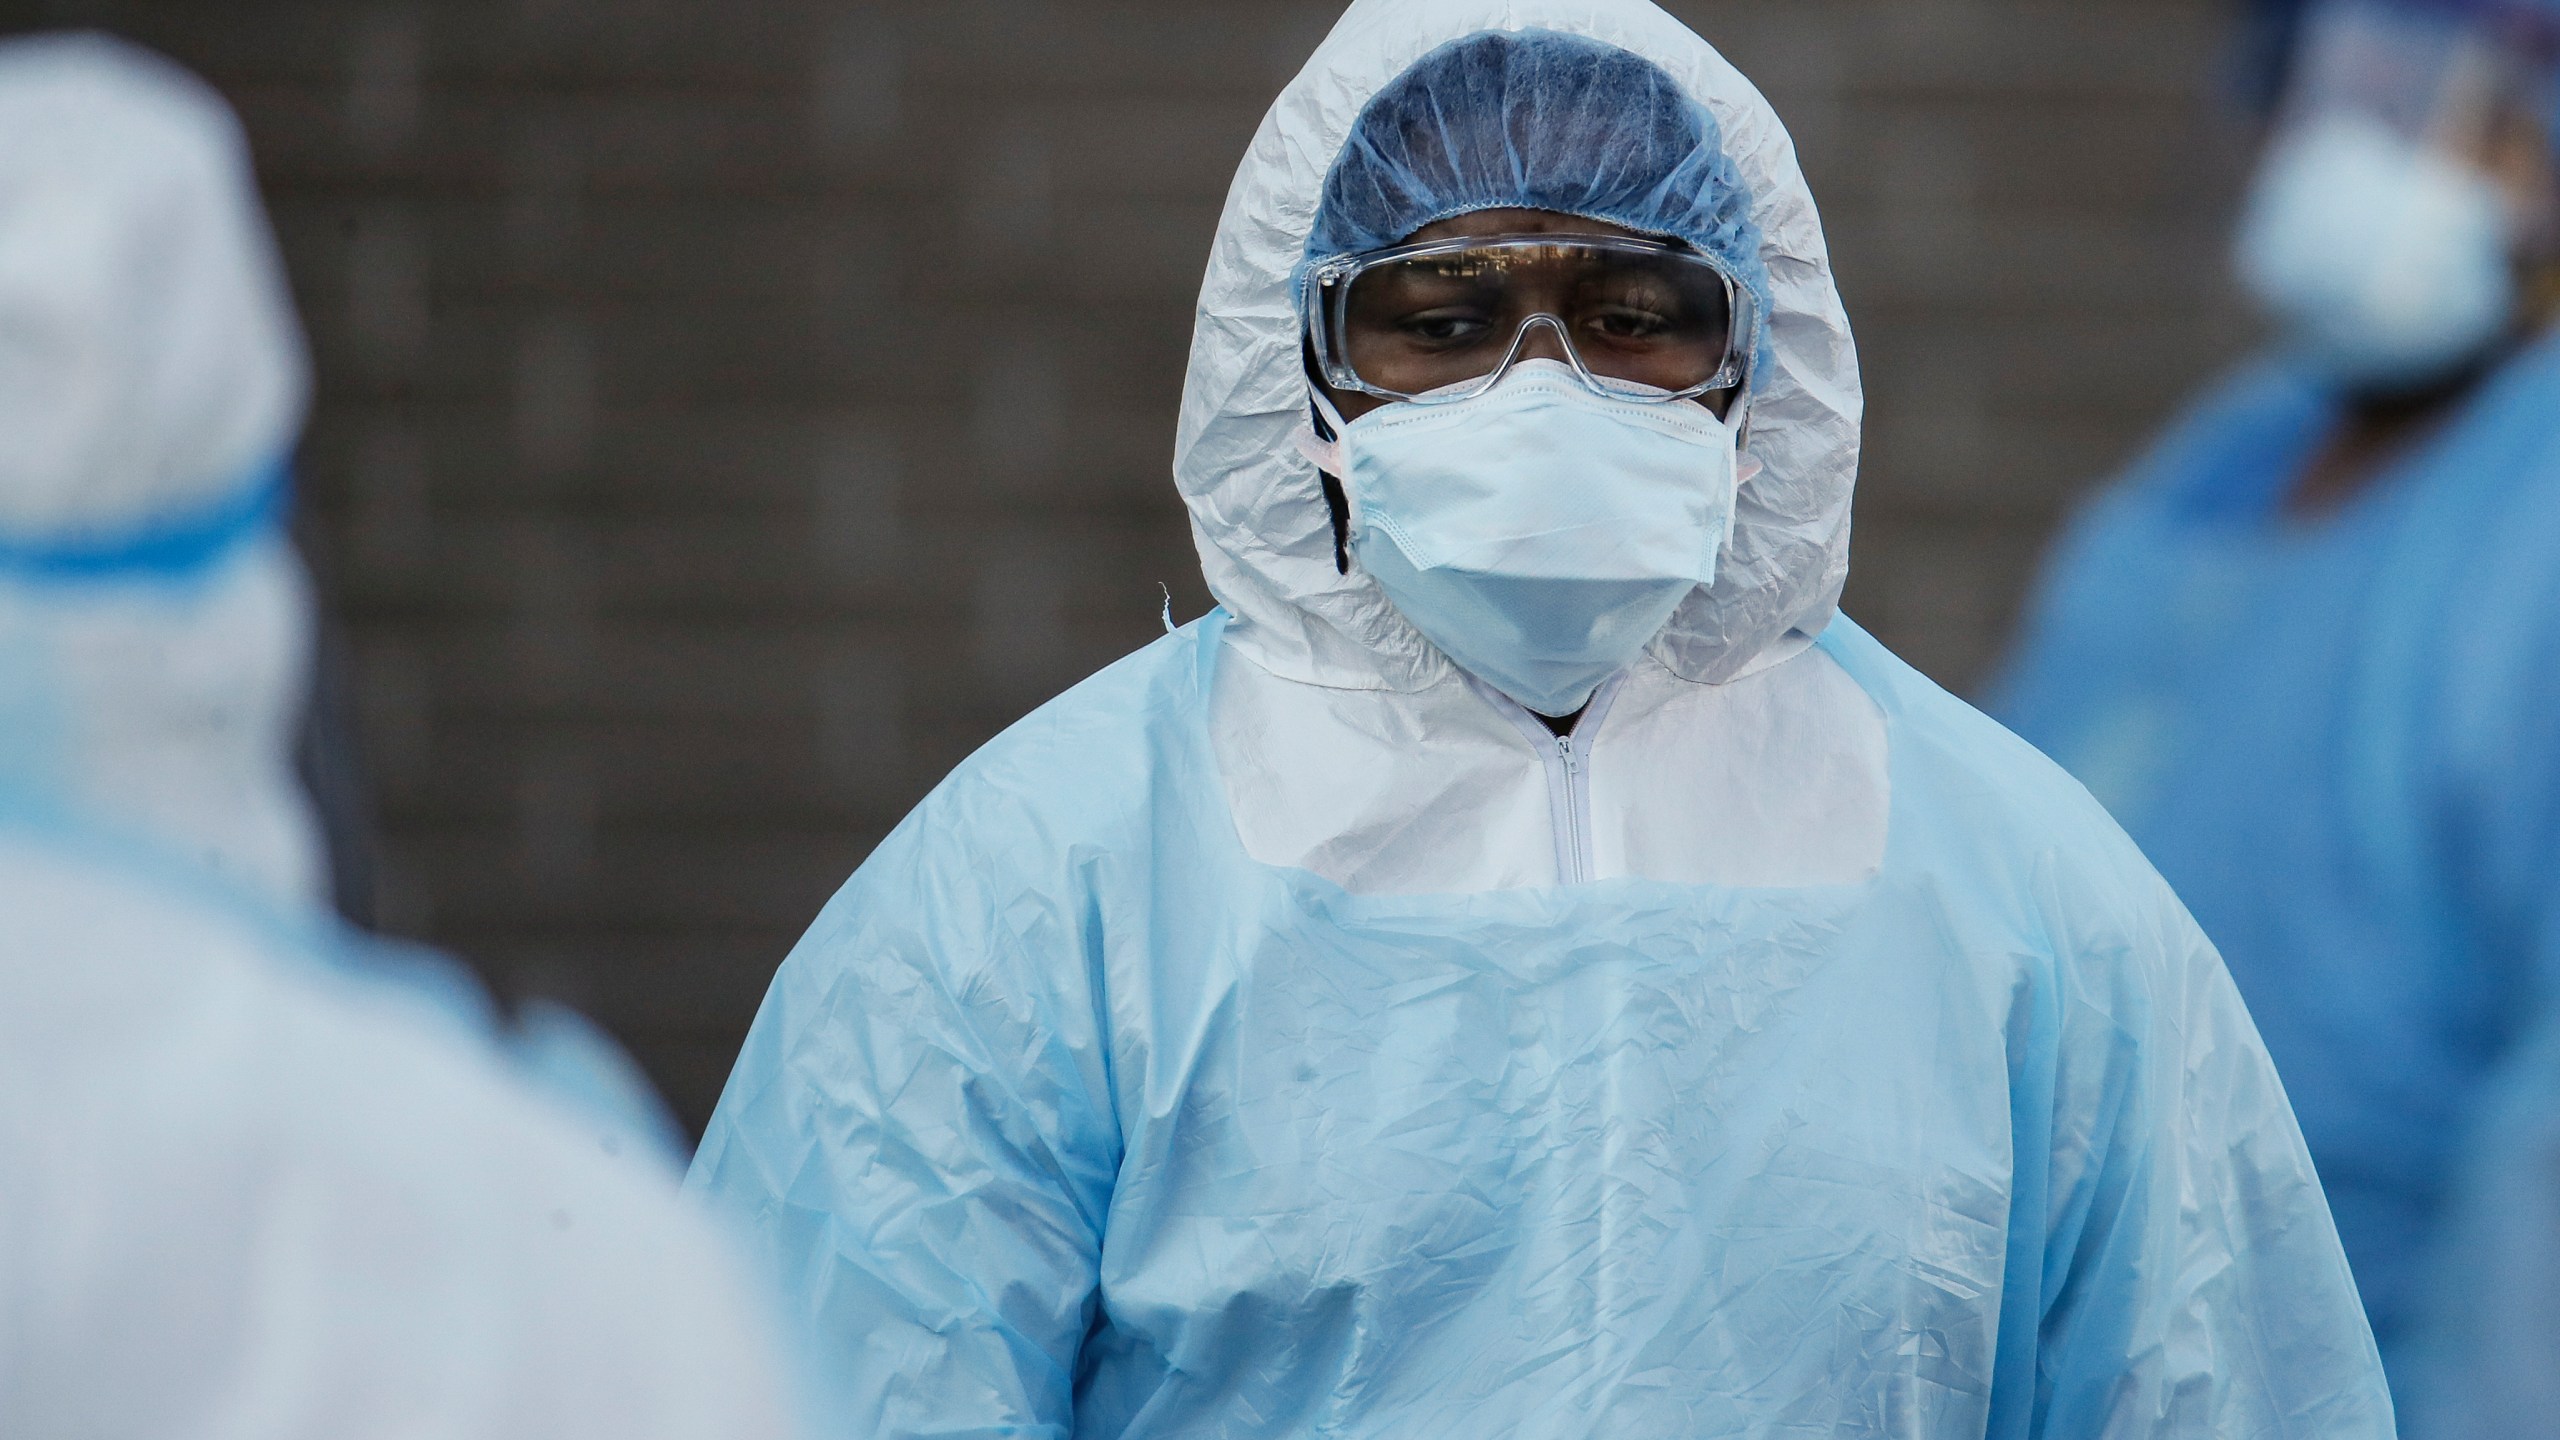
[2386, 263]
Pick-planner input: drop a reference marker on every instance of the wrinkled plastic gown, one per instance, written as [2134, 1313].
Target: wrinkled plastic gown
[1065, 1107]
[1070, 1116]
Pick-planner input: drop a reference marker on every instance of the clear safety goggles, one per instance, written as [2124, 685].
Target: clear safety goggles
[1444, 320]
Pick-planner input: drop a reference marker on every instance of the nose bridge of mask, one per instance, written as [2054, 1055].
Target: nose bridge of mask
[1541, 478]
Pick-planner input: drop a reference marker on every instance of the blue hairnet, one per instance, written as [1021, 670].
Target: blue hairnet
[1545, 121]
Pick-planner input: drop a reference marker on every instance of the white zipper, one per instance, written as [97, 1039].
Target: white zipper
[1567, 759]
[1573, 824]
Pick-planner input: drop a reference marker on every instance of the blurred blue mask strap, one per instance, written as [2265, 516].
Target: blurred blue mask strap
[173, 545]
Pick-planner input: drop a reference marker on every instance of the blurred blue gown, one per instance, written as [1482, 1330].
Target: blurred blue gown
[1067, 1117]
[2339, 739]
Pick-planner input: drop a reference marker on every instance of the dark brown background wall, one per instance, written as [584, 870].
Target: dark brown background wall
[733, 411]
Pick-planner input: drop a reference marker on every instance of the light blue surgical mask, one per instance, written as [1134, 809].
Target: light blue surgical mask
[2386, 263]
[1540, 534]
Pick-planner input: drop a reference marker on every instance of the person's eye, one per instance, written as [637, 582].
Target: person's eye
[1626, 324]
[1447, 325]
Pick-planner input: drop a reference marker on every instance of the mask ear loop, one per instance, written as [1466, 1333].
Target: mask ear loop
[1321, 441]
[1321, 444]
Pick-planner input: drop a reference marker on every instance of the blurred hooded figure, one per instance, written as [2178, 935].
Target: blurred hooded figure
[248, 1193]
[2308, 649]
[154, 621]
[1523, 965]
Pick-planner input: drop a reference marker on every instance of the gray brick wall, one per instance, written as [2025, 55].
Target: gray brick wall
[732, 413]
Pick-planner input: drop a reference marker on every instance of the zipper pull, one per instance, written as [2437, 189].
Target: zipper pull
[1564, 752]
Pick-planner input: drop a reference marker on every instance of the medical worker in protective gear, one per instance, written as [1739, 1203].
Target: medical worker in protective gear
[1523, 965]
[243, 1192]
[2308, 652]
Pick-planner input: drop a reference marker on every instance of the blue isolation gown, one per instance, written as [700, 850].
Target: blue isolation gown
[1067, 1117]
[2339, 739]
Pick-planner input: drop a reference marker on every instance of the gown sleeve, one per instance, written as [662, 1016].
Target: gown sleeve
[2484, 1363]
[2192, 1282]
[918, 1137]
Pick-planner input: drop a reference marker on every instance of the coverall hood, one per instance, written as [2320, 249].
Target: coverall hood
[154, 621]
[1258, 512]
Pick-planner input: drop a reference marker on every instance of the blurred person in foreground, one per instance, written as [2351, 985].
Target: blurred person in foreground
[244, 1191]
[1524, 966]
[2308, 652]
